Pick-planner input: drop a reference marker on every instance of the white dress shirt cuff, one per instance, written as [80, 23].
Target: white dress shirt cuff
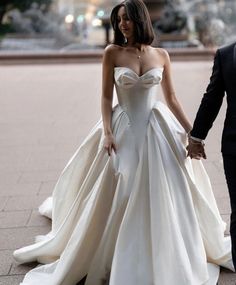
[196, 139]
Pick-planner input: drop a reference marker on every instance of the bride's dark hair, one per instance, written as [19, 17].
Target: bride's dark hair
[137, 12]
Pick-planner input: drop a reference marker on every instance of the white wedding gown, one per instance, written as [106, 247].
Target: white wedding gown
[145, 216]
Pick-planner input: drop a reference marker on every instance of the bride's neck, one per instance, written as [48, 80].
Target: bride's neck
[139, 46]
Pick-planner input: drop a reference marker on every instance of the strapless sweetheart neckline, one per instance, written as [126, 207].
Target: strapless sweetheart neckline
[139, 76]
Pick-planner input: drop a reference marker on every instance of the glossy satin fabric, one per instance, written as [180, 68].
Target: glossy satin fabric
[145, 216]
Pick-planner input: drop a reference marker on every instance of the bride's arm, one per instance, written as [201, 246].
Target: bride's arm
[169, 93]
[107, 97]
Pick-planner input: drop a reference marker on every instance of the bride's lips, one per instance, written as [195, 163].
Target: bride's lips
[125, 30]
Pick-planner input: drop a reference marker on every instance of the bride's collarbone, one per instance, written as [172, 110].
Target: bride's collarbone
[141, 62]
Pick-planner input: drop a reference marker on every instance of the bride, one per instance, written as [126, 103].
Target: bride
[130, 207]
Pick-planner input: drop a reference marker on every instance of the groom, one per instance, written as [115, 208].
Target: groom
[223, 80]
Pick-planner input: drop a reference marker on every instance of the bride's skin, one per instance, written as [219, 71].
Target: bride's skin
[115, 55]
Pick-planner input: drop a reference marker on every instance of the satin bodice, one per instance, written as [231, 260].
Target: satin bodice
[137, 94]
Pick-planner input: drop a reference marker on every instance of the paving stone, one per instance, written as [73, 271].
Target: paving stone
[65, 151]
[18, 237]
[226, 218]
[8, 266]
[220, 190]
[219, 164]
[212, 156]
[14, 158]
[3, 201]
[42, 159]
[39, 176]
[19, 203]
[58, 164]
[7, 178]
[36, 164]
[14, 219]
[11, 280]
[216, 175]
[20, 189]
[47, 187]
[224, 205]
[227, 278]
[6, 260]
[37, 220]
[21, 268]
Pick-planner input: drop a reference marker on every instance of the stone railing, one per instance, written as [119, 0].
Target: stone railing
[8, 58]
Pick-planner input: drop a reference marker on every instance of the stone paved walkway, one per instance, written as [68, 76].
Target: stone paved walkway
[46, 111]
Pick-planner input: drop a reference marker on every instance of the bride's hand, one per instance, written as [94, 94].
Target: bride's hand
[109, 144]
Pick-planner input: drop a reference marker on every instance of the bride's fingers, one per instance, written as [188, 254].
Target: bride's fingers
[110, 149]
[114, 147]
[107, 148]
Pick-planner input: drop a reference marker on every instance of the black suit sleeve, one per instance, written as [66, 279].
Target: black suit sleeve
[211, 102]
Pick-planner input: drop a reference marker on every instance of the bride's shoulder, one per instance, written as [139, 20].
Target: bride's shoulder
[162, 52]
[110, 54]
[163, 55]
[112, 49]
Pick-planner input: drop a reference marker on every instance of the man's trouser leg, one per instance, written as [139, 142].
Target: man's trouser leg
[230, 174]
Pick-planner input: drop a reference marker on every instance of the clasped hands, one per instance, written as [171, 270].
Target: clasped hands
[195, 149]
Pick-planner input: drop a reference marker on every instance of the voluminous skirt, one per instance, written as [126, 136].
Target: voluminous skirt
[145, 216]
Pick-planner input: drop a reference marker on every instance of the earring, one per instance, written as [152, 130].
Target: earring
[125, 40]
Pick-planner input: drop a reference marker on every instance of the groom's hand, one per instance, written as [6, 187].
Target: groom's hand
[195, 150]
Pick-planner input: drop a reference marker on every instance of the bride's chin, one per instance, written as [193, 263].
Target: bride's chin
[127, 37]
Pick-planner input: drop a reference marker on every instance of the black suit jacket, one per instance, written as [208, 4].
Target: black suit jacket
[222, 81]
